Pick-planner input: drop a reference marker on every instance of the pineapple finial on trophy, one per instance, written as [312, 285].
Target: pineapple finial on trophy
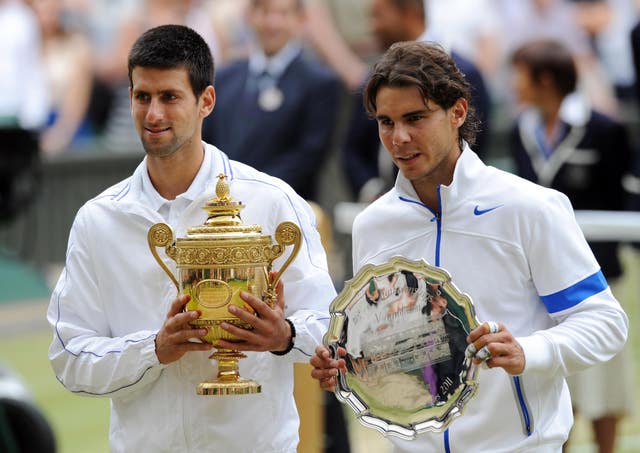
[222, 189]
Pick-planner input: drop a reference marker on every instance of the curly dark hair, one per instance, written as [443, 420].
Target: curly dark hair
[429, 68]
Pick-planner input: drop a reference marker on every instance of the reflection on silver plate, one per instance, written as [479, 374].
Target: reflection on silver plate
[404, 325]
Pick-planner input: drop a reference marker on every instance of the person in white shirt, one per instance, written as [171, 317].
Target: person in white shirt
[512, 245]
[118, 329]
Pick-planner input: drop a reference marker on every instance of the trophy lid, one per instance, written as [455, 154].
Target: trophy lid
[223, 221]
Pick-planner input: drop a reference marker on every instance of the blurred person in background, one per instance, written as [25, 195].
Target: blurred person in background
[608, 24]
[560, 142]
[369, 170]
[338, 31]
[472, 28]
[277, 110]
[528, 20]
[23, 106]
[119, 134]
[69, 72]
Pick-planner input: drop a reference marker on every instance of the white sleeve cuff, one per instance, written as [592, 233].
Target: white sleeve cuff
[538, 354]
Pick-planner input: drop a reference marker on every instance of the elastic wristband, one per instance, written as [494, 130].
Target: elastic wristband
[291, 341]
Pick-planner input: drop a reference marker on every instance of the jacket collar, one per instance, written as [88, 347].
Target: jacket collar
[467, 169]
[574, 111]
[276, 65]
[141, 198]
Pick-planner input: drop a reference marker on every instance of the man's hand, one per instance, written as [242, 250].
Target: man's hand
[493, 343]
[325, 368]
[172, 340]
[270, 331]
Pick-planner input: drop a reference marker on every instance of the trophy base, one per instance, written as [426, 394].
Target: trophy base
[234, 387]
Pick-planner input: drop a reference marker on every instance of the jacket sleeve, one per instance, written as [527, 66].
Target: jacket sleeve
[590, 325]
[308, 287]
[84, 355]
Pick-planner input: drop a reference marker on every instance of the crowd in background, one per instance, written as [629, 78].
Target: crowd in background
[83, 46]
[63, 77]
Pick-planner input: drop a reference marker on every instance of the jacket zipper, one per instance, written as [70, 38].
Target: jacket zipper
[522, 403]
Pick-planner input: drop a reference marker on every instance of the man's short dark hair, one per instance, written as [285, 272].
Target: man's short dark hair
[171, 47]
[430, 69]
[548, 57]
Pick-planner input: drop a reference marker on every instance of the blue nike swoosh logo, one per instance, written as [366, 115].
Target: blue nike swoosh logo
[478, 211]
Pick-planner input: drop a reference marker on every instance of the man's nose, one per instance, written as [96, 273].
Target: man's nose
[155, 111]
[400, 135]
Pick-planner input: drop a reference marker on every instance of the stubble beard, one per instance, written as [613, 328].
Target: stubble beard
[163, 150]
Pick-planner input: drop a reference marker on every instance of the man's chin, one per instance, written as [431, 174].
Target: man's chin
[158, 150]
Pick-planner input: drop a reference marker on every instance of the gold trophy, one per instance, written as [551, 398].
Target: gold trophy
[215, 262]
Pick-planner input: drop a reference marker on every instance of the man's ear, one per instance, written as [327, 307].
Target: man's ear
[458, 112]
[207, 101]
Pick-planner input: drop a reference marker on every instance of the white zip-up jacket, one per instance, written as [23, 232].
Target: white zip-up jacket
[517, 250]
[112, 298]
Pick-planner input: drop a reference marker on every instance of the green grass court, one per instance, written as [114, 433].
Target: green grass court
[81, 423]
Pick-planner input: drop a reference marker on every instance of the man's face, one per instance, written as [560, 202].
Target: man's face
[422, 139]
[524, 87]
[165, 111]
[275, 23]
[386, 22]
[438, 305]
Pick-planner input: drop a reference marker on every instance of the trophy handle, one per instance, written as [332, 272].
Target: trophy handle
[161, 235]
[287, 233]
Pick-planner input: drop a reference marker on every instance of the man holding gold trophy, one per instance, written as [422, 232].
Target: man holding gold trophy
[544, 309]
[119, 331]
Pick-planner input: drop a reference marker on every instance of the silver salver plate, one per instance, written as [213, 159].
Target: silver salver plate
[404, 325]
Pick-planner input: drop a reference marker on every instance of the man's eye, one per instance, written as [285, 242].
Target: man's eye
[142, 97]
[414, 118]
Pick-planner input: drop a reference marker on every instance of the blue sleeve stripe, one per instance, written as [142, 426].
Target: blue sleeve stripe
[574, 294]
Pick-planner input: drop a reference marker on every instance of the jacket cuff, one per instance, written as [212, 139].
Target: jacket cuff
[538, 354]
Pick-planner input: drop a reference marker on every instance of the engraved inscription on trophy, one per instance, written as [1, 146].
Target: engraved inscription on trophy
[212, 293]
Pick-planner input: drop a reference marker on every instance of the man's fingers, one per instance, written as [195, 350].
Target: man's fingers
[181, 321]
[177, 305]
[486, 328]
[260, 307]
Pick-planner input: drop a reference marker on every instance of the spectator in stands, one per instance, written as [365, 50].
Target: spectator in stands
[561, 143]
[369, 169]
[69, 72]
[277, 110]
[23, 105]
[528, 20]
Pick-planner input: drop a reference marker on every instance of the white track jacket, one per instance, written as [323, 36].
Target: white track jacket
[517, 250]
[112, 298]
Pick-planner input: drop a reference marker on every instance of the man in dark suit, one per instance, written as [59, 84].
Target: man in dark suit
[560, 141]
[276, 111]
[369, 172]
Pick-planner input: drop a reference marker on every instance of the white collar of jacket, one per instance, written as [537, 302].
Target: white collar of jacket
[574, 111]
[465, 173]
[133, 194]
[277, 64]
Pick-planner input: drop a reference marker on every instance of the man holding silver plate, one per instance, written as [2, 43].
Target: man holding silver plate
[541, 308]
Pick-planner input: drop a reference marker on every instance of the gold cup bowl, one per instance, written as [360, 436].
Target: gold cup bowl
[216, 261]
